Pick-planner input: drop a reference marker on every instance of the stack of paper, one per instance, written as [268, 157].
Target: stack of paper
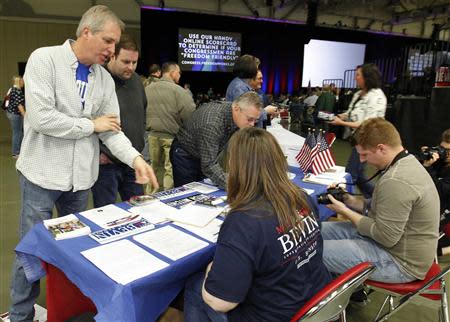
[155, 212]
[195, 215]
[326, 178]
[209, 232]
[123, 261]
[170, 242]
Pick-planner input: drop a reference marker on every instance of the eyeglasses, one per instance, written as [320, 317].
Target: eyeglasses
[250, 119]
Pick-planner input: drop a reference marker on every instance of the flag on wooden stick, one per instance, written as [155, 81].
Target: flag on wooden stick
[323, 160]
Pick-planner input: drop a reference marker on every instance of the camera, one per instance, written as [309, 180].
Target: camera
[337, 193]
[427, 154]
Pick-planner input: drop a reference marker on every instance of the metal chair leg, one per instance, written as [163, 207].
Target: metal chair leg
[444, 306]
[381, 308]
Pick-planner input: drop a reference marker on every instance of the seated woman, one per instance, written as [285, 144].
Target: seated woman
[268, 260]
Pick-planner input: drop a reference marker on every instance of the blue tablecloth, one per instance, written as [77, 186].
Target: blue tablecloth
[142, 300]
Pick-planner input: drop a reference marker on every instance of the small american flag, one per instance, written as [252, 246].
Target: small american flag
[323, 159]
[307, 153]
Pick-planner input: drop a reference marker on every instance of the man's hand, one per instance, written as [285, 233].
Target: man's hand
[105, 123]
[337, 206]
[341, 208]
[354, 202]
[430, 162]
[144, 172]
[270, 109]
[21, 110]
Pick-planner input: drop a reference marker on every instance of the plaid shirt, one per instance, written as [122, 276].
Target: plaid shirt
[60, 150]
[205, 134]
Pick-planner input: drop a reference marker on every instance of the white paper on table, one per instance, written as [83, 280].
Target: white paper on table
[155, 212]
[337, 169]
[170, 242]
[209, 232]
[123, 261]
[289, 142]
[109, 216]
[338, 176]
[308, 191]
[325, 179]
[291, 153]
[201, 187]
[285, 137]
[195, 215]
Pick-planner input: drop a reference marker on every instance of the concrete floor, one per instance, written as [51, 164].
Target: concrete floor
[9, 217]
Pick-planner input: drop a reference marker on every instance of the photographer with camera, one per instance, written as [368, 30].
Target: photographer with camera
[397, 229]
[437, 162]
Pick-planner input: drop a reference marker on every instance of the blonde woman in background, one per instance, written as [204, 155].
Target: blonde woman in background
[15, 111]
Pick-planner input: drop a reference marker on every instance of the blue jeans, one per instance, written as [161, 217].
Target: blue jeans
[16, 121]
[186, 168]
[356, 168]
[195, 309]
[344, 247]
[113, 178]
[37, 205]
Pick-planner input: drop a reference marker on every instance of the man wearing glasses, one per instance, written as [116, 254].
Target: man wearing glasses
[439, 170]
[195, 150]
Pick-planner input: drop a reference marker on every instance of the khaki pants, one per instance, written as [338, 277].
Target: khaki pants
[159, 156]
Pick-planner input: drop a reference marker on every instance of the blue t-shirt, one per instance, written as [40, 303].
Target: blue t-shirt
[269, 272]
[82, 81]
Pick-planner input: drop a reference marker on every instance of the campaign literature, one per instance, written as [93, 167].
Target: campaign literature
[174, 193]
[110, 234]
[201, 187]
[66, 227]
[109, 216]
[201, 199]
[142, 200]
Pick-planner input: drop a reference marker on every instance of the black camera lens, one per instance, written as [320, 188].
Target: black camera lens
[427, 154]
[322, 199]
[337, 193]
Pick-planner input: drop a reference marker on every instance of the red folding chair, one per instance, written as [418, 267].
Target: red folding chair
[331, 301]
[432, 288]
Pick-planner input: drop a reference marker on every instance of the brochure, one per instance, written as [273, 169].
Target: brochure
[66, 227]
[110, 234]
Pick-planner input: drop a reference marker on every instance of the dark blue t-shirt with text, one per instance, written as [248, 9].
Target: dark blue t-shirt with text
[270, 272]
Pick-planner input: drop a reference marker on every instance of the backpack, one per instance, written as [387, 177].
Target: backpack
[5, 102]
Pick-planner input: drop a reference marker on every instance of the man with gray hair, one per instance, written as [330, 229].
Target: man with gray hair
[195, 150]
[71, 103]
